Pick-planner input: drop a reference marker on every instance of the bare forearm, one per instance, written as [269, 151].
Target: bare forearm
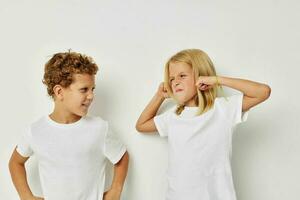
[120, 173]
[247, 87]
[18, 175]
[151, 109]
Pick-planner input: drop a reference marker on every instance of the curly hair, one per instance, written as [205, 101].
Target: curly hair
[59, 70]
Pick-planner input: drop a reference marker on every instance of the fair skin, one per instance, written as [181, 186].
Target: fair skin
[184, 89]
[120, 172]
[71, 103]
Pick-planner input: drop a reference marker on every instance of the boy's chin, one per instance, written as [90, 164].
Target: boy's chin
[81, 114]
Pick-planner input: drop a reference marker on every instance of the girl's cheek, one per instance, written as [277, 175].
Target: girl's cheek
[172, 88]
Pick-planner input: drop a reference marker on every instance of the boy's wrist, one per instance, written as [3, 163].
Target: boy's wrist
[117, 188]
[27, 197]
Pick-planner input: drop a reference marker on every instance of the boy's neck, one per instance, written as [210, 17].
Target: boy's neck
[63, 117]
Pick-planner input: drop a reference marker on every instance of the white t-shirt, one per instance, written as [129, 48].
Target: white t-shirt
[200, 150]
[72, 157]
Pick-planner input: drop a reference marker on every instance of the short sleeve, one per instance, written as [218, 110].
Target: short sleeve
[113, 147]
[24, 146]
[162, 123]
[233, 108]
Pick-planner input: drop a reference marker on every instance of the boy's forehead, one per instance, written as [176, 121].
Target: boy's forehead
[83, 79]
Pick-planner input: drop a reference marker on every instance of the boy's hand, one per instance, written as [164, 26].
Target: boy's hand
[112, 195]
[35, 198]
[206, 82]
[162, 91]
[38, 198]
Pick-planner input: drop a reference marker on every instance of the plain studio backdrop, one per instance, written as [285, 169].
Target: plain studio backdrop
[131, 41]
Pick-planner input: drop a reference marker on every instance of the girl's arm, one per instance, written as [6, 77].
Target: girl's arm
[18, 175]
[254, 92]
[145, 123]
[120, 172]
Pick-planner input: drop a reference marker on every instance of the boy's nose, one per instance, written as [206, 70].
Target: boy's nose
[90, 95]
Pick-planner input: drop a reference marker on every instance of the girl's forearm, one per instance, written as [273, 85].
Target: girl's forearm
[151, 109]
[247, 87]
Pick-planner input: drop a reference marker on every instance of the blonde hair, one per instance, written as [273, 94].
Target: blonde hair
[202, 66]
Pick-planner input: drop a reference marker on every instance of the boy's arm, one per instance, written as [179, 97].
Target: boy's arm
[120, 172]
[145, 123]
[18, 175]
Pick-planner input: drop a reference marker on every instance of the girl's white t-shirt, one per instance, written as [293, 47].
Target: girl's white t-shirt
[72, 157]
[200, 150]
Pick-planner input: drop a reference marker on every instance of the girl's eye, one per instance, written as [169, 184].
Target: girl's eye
[182, 75]
[171, 80]
[83, 89]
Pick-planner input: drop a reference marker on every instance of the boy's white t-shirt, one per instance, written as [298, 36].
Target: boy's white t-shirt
[72, 157]
[200, 150]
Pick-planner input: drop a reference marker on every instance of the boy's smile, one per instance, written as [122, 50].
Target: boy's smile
[74, 101]
[80, 94]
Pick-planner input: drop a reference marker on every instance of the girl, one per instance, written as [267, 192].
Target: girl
[199, 130]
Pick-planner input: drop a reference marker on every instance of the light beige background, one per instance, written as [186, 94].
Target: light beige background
[130, 41]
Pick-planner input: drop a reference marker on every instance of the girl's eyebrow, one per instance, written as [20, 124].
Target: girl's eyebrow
[178, 74]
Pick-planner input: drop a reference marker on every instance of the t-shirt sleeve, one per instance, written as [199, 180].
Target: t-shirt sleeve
[162, 123]
[233, 108]
[114, 149]
[24, 147]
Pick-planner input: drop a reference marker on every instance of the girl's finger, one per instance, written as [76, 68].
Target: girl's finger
[201, 88]
[204, 87]
[199, 85]
[199, 81]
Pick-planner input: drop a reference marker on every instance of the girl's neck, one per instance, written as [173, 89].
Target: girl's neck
[192, 102]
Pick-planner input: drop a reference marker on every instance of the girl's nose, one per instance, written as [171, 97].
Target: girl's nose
[176, 82]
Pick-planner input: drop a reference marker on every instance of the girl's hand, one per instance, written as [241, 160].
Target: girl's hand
[206, 82]
[162, 92]
[112, 195]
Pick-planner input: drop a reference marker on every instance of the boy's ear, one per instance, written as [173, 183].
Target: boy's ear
[58, 92]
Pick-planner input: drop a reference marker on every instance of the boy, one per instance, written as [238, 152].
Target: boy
[71, 148]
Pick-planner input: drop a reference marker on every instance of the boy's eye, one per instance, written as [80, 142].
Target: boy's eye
[182, 75]
[172, 79]
[83, 89]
